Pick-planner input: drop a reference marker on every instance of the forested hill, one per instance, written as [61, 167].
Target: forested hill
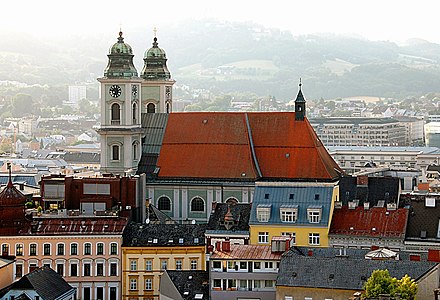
[239, 57]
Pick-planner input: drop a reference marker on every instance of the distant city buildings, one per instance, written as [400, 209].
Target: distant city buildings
[76, 94]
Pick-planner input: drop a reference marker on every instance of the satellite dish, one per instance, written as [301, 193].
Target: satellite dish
[147, 221]
[193, 221]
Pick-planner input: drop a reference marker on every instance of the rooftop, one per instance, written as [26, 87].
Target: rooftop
[247, 252]
[191, 284]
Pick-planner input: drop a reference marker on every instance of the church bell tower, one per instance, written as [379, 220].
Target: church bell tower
[120, 129]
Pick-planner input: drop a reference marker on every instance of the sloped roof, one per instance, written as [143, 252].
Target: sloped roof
[423, 218]
[343, 272]
[373, 222]
[240, 214]
[190, 283]
[243, 146]
[75, 225]
[299, 195]
[45, 281]
[246, 252]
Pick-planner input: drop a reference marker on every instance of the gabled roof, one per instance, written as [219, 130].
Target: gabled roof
[44, 281]
[238, 146]
[247, 252]
[292, 195]
[341, 272]
[240, 215]
[373, 222]
[159, 235]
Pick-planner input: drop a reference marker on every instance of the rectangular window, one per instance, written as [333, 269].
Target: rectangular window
[216, 265]
[60, 269]
[149, 284]
[288, 215]
[268, 284]
[73, 249]
[194, 264]
[179, 264]
[148, 265]
[217, 283]
[243, 265]
[293, 238]
[113, 269]
[60, 249]
[232, 283]
[19, 250]
[314, 215]
[257, 265]
[257, 284]
[133, 284]
[99, 293]
[263, 237]
[87, 249]
[313, 238]
[86, 293]
[73, 270]
[18, 271]
[5, 249]
[133, 265]
[46, 249]
[100, 249]
[33, 250]
[113, 249]
[268, 265]
[87, 268]
[163, 264]
[99, 269]
[263, 213]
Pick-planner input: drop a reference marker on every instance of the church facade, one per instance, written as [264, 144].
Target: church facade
[194, 160]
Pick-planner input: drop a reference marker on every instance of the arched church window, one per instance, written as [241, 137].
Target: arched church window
[168, 107]
[197, 204]
[164, 203]
[151, 108]
[134, 110]
[231, 201]
[135, 151]
[115, 152]
[116, 114]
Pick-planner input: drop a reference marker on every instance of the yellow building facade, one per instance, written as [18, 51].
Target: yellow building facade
[300, 210]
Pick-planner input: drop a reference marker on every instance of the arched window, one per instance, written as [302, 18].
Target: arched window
[134, 113]
[151, 108]
[197, 204]
[164, 203]
[168, 107]
[135, 150]
[116, 115]
[231, 201]
[115, 152]
[5, 249]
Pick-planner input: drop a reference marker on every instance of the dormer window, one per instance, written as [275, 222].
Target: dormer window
[263, 212]
[289, 213]
[314, 214]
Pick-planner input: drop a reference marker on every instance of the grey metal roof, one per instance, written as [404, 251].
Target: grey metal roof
[303, 197]
[341, 272]
[154, 129]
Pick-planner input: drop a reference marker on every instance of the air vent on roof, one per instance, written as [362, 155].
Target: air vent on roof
[366, 205]
[391, 206]
[423, 234]
[338, 204]
[331, 276]
[205, 121]
[190, 277]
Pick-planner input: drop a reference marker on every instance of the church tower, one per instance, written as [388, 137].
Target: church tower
[157, 85]
[120, 112]
[300, 105]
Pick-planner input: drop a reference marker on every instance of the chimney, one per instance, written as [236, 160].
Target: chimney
[226, 246]
[366, 205]
[22, 186]
[310, 253]
[218, 246]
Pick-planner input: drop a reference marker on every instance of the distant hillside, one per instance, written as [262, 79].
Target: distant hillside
[238, 57]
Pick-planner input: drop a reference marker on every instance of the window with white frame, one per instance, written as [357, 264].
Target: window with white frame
[18, 249]
[293, 238]
[193, 264]
[60, 249]
[314, 215]
[133, 284]
[163, 264]
[197, 205]
[73, 249]
[148, 265]
[33, 249]
[113, 249]
[288, 215]
[133, 265]
[148, 284]
[313, 238]
[178, 264]
[87, 249]
[115, 152]
[263, 237]
[100, 249]
[46, 249]
[263, 212]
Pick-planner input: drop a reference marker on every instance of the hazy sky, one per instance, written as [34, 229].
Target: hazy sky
[374, 19]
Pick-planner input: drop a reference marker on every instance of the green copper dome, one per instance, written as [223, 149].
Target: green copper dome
[120, 61]
[155, 64]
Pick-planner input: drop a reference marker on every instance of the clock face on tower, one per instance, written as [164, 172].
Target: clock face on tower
[115, 91]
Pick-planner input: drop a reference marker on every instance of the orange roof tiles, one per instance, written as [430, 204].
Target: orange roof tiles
[244, 252]
[220, 145]
[376, 221]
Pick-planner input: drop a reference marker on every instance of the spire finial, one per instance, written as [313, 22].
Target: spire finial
[120, 38]
[300, 83]
[155, 31]
[155, 37]
[10, 173]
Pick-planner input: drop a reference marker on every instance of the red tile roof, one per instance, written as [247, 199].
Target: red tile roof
[360, 222]
[75, 226]
[244, 252]
[220, 145]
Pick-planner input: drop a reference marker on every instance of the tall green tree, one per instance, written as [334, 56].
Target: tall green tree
[380, 282]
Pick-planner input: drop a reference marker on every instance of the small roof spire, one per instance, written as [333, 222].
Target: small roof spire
[155, 37]
[155, 31]
[300, 84]
[120, 38]
[10, 174]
